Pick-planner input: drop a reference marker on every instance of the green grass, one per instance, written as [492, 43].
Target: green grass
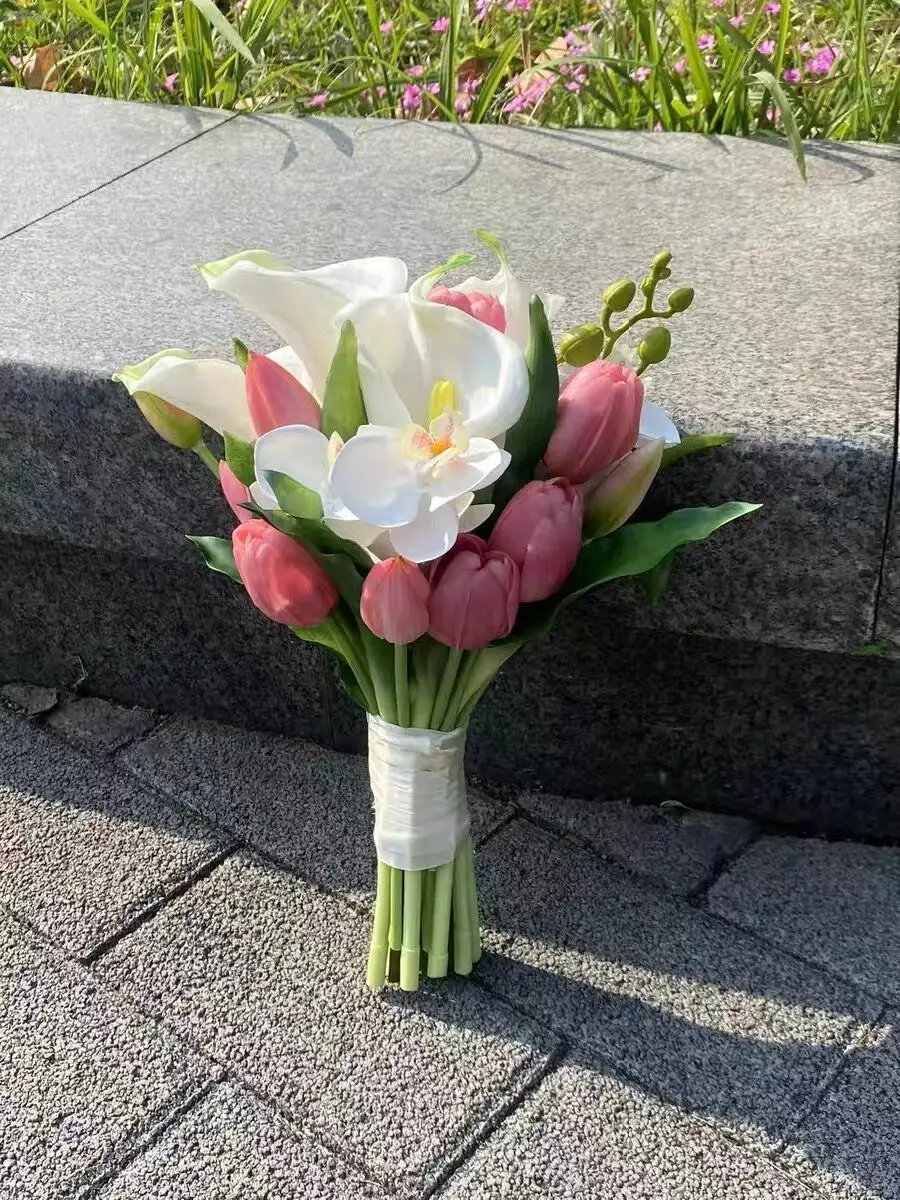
[631, 64]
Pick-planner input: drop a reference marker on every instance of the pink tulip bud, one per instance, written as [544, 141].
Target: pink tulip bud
[540, 530]
[597, 420]
[611, 497]
[275, 397]
[234, 491]
[281, 576]
[394, 601]
[479, 305]
[474, 595]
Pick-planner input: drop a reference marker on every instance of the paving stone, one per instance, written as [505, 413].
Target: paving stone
[585, 1134]
[83, 1076]
[268, 975]
[848, 1148]
[85, 849]
[231, 1147]
[845, 915]
[685, 1004]
[309, 807]
[99, 725]
[29, 698]
[676, 847]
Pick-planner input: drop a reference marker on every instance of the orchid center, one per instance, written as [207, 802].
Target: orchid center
[446, 436]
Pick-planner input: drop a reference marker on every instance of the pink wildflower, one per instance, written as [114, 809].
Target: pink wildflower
[416, 71]
[680, 66]
[168, 83]
[822, 61]
[737, 20]
[791, 75]
[440, 25]
[705, 41]
[767, 47]
[773, 9]
[640, 74]
[411, 97]
[318, 101]
[386, 26]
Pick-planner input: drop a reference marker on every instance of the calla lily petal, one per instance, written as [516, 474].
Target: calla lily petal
[374, 479]
[210, 389]
[298, 451]
[656, 423]
[430, 535]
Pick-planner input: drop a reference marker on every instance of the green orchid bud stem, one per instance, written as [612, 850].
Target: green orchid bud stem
[206, 455]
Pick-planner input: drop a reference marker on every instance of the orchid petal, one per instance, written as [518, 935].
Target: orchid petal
[374, 479]
[210, 389]
[480, 466]
[656, 423]
[473, 516]
[429, 536]
[354, 531]
[298, 451]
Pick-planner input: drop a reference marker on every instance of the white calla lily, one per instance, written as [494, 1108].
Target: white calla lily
[210, 389]
[301, 306]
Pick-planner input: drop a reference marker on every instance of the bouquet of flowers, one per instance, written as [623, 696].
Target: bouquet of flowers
[361, 459]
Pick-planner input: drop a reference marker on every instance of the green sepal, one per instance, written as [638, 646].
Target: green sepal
[295, 499]
[527, 440]
[239, 456]
[218, 554]
[692, 443]
[343, 408]
[241, 353]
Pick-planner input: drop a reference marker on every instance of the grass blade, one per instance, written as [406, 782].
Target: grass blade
[778, 94]
[494, 78]
[450, 59]
[223, 26]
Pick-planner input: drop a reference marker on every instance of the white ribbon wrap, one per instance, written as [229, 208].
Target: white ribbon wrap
[419, 788]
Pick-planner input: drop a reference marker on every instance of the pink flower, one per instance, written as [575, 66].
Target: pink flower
[474, 595]
[394, 601]
[411, 97]
[657, 128]
[822, 61]
[805, 47]
[386, 26]
[440, 25]
[380, 90]
[234, 492]
[597, 420]
[772, 9]
[737, 20]
[640, 74]
[613, 495]
[717, 3]
[767, 47]
[170, 81]
[275, 397]
[462, 104]
[540, 530]
[791, 75]
[417, 70]
[281, 576]
[705, 41]
[482, 307]
[318, 101]
[680, 66]
[432, 88]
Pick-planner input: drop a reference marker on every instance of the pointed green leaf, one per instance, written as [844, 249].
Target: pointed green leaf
[239, 456]
[343, 409]
[655, 582]
[241, 353]
[295, 499]
[223, 26]
[792, 132]
[693, 442]
[218, 554]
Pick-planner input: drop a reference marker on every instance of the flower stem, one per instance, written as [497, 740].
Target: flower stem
[438, 954]
[401, 684]
[427, 908]
[354, 656]
[206, 456]
[473, 902]
[462, 925]
[395, 929]
[378, 948]
[412, 915]
[445, 687]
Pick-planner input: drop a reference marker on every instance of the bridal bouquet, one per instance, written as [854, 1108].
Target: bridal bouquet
[361, 459]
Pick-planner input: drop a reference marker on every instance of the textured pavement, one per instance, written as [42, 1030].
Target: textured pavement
[672, 1004]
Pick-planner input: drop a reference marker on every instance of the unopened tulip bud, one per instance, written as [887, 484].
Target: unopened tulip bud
[235, 492]
[597, 420]
[275, 397]
[474, 595]
[681, 298]
[394, 601]
[540, 530]
[479, 305]
[281, 576]
[177, 427]
[611, 497]
[654, 346]
[619, 295]
[582, 344]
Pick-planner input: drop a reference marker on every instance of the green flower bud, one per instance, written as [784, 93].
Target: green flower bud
[582, 344]
[619, 295]
[655, 345]
[681, 298]
[660, 262]
[177, 427]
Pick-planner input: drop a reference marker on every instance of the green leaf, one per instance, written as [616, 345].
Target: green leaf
[655, 582]
[631, 550]
[779, 95]
[343, 409]
[494, 78]
[223, 26]
[218, 554]
[241, 353]
[528, 438]
[239, 456]
[692, 443]
[295, 499]
[450, 58]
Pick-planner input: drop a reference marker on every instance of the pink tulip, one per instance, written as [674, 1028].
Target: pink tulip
[613, 495]
[474, 595]
[281, 576]
[394, 601]
[597, 420]
[479, 305]
[234, 492]
[275, 397]
[540, 530]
